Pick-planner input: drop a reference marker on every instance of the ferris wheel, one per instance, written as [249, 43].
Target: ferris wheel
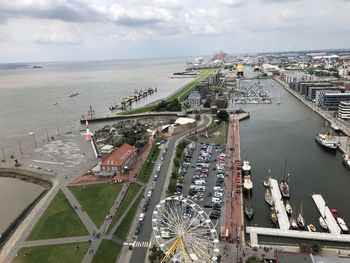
[184, 231]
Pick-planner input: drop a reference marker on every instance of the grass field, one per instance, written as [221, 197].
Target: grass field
[181, 94]
[123, 229]
[107, 252]
[129, 195]
[96, 199]
[217, 134]
[73, 252]
[148, 166]
[59, 220]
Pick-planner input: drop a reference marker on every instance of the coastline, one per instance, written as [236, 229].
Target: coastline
[24, 222]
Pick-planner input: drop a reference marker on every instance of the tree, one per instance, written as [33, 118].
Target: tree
[197, 117]
[252, 259]
[155, 255]
[206, 104]
[223, 115]
[316, 247]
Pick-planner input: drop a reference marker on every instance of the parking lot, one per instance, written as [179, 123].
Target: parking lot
[202, 176]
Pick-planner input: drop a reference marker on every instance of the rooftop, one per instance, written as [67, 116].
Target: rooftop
[119, 156]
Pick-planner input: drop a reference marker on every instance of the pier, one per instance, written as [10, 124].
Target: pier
[326, 214]
[281, 212]
[131, 116]
[128, 101]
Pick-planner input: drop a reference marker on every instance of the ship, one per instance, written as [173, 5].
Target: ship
[247, 183]
[323, 223]
[342, 225]
[273, 215]
[346, 160]
[248, 210]
[268, 197]
[284, 186]
[327, 141]
[246, 168]
[73, 94]
[289, 208]
[311, 228]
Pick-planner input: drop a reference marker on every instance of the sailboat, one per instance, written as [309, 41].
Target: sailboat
[279, 98]
[323, 223]
[248, 210]
[268, 197]
[289, 208]
[266, 181]
[300, 218]
[293, 223]
[284, 186]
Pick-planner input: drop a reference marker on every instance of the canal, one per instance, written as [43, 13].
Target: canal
[275, 132]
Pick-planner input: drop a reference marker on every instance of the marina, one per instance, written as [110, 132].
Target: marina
[252, 92]
[138, 95]
[281, 212]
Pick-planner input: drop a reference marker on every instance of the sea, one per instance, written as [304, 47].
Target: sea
[36, 101]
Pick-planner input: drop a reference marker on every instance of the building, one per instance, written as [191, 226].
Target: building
[344, 110]
[182, 124]
[120, 160]
[331, 101]
[240, 70]
[310, 92]
[194, 99]
[221, 102]
[107, 149]
[211, 98]
[320, 93]
[202, 88]
[302, 87]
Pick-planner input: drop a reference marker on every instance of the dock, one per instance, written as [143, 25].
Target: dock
[138, 95]
[326, 214]
[281, 212]
[343, 143]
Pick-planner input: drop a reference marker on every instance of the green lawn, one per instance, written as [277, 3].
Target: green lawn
[181, 93]
[215, 134]
[73, 252]
[123, 229]
[133, 189]
[107, 252]
[59, 220]
[96, 199]
[148, 166]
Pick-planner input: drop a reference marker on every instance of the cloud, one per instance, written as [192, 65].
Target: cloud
[202, 21]
[58, 39]
[233, 3]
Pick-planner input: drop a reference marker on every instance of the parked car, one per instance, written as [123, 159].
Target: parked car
[141, 217]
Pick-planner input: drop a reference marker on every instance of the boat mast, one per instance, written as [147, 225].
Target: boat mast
[285, 166]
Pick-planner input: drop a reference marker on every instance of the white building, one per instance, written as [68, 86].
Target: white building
[344, 110]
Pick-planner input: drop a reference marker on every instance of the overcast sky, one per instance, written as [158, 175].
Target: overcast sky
[49, 30]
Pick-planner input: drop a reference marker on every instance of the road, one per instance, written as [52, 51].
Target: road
[146, 230]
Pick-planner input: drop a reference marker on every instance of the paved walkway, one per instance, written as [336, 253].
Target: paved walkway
[56, 241]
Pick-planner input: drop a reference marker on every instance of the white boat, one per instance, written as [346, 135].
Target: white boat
[289, 208]
[346, 160]
[293, 223]
[342, 225]
[246, 168]
[311, 228]
[323, 223]
[268, 197]
[301, 221]
[247, 183]
[327, 141]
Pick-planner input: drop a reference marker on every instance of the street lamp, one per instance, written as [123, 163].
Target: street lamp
[32, 133]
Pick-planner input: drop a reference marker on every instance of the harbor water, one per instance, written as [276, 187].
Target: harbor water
[275, 132]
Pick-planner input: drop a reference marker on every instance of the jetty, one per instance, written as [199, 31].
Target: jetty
[334, 234]
[326, 214]
[91, 119]
[138, 95]
[281, 212]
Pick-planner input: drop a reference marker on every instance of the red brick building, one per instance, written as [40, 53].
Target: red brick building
[120, 159]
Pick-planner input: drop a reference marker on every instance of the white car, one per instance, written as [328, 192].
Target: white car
[149, 194]
[141, 217]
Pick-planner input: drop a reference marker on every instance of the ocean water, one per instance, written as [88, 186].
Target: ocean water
[27, 95]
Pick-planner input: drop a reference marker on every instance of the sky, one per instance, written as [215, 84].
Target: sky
[59, 30]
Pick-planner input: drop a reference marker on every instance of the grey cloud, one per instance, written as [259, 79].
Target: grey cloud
[137, 21]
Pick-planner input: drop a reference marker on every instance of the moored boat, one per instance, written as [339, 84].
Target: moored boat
[246, 168]
[311, 228]
[323, 223]
[335, 127]
[249, 211]
[266, 181]
[284, 185]
[342, 225]
[334, 212]
[327, 141]
[273, 215]
[73, 94]
[293, 223]
[289, 208]
[346, 160]
[247, 183]
[268, 197]
[301, 221]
